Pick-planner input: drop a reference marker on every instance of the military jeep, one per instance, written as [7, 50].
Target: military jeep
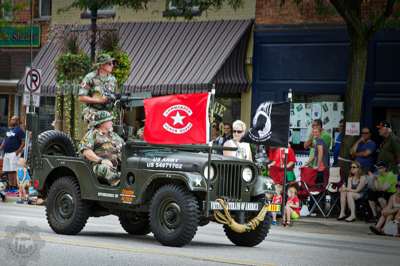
[164, 190]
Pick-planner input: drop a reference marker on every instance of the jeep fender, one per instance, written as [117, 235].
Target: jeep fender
[263, 185]
[53, 168]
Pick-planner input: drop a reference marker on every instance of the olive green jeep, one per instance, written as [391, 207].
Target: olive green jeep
[164, 190]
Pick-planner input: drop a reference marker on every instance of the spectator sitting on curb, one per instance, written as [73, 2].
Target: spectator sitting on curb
[384, 187]
[389, 150]
[356, 189]
[389, 213]
[292, 208]
[363, 150]
[277, 199]
[24, 181]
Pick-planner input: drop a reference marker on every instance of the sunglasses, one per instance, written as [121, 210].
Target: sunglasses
[364, 132]
[354, 167]
[110, 63]
[238, 131]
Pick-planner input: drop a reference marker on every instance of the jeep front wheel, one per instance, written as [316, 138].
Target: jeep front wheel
[252, 238]
[174, 216]
[135, 223]
[66, 212]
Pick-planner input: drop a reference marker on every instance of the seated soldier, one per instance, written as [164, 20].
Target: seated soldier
[102, 147]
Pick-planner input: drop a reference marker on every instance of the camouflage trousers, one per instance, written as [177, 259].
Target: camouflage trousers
[103, 171]
[88, 114]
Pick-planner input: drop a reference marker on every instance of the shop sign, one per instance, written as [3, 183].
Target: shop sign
[19, 36]
[219, 109]
[352, 128]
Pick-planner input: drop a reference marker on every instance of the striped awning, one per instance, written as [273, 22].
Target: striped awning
[169, 57]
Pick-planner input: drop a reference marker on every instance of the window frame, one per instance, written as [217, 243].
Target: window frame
[40, 16]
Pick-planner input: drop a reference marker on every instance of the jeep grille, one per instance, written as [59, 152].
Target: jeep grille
[229, 180]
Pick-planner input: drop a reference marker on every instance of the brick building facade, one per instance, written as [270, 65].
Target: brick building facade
[15, 51]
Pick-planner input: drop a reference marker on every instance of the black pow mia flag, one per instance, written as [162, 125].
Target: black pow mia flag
[270, 125]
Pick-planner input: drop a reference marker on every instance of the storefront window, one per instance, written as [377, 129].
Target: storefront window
[227, 109]
[306, 108]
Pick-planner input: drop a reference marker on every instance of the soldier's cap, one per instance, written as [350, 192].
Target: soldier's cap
[101, 117]
[103, 59]
[384, 124]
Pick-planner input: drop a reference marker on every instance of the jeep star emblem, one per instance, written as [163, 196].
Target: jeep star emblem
[178, 113]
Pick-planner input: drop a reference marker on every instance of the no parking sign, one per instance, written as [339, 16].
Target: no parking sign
[33, 83]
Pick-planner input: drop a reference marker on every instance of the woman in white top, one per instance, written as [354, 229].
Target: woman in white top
[243, 149]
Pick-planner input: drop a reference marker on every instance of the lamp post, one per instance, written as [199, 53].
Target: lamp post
[94, 13]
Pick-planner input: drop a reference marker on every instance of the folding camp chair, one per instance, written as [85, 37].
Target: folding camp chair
[309, 188]
[332, 190]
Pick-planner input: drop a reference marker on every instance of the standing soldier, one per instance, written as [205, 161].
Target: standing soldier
[98, 89]
[102, 147]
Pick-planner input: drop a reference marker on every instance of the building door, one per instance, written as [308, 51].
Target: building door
[393, 116]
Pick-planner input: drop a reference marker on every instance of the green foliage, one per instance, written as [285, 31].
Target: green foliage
[188, 9]
[122, 66]
[72, 67]
[7, 6]
[109, 44]
[101, 4]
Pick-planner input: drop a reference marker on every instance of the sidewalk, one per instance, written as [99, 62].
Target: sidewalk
[331, 226]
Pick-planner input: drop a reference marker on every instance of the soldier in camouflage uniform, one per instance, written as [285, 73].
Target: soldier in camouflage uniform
[102, 147]
[98, 89]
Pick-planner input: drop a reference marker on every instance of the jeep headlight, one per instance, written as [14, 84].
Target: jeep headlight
[212, 172]
[247, 174]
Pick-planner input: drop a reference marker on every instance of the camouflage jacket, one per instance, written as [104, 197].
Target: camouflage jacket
[93, 84]
[105, 146]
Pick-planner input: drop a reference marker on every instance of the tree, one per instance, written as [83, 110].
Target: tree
[94, 6]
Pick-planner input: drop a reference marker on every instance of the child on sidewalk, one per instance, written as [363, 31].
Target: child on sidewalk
[292, 208]
[24, 181]
[277, 199]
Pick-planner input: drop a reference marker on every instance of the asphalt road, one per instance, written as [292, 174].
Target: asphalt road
[103, 242]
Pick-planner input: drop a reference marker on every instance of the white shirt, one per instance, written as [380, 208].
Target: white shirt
[243, 151]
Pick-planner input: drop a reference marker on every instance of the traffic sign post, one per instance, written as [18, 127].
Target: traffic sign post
[31, 98]
[33, 83]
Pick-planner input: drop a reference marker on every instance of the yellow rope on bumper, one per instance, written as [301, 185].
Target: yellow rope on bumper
[226, 218]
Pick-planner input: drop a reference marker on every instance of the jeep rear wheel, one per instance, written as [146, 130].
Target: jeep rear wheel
[135, 223]
[174, 216]
[66, 212]
[252, 238]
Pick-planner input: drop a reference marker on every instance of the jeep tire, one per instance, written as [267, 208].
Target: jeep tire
[66, 212]
[174, 216]
[252, 238]
[54, 142]
[135, 223]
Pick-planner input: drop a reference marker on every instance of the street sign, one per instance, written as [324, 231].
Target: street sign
[35, 100]
[33, 80]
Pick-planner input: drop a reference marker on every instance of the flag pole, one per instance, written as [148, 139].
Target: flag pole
[290, 96]
[210, 146]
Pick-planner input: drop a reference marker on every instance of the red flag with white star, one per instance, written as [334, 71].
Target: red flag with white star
[177, 119]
